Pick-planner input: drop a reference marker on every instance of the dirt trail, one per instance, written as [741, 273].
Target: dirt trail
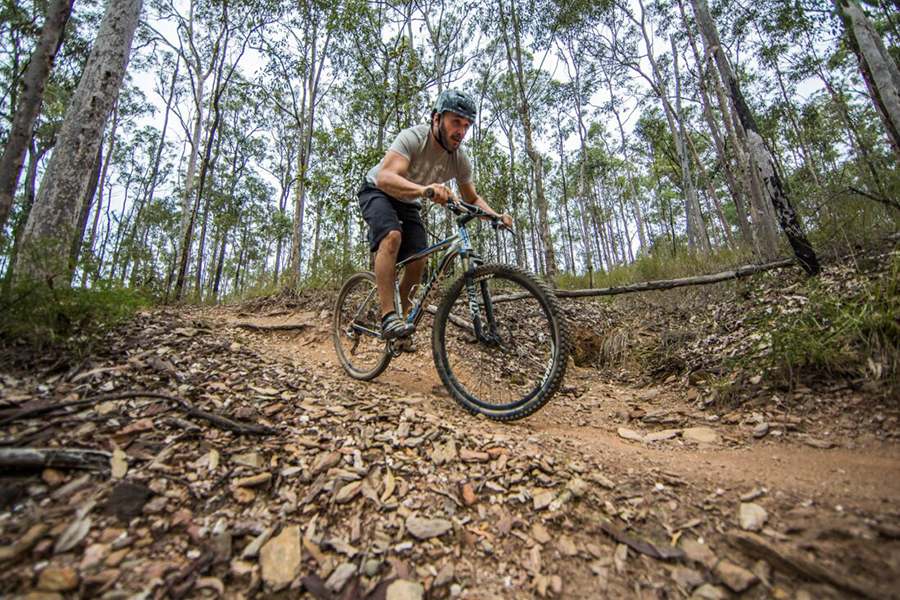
[806, 490]
[866, 476]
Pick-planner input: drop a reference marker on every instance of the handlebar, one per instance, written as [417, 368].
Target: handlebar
[459, 207]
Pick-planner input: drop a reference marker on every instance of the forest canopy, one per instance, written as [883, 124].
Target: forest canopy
[616, 133]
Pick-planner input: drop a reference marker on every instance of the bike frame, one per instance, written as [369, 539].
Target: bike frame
[456, 245]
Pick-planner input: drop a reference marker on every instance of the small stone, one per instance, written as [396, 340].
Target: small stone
[280, 558]
[761, 430]
[700, 435]
[252, 549]
[630, 434]
[404, 590]
[243, 495]
[52, 477]
[665, 434]
[619, 558]
[93, 556]
[543, 500]
[58, 579]
[445, 575]
[339, 577]
[540, 533]
[253, 481]
[577, 486]
[699, 553]
[709, 592]
[371, 567]
[556, 584]
[753, 494]
[423, 528]
[250, 459]
[467, 455]
[468, 495]
[241, 568]
[752, 516]
[736, 578]
[566, 546]
[763, 570]
[687, 578]
[116, 557]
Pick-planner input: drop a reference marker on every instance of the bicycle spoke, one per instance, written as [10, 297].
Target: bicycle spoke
[355, 328]
[513, 364]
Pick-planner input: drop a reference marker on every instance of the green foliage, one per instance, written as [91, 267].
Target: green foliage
[49, 316]
[835, 333]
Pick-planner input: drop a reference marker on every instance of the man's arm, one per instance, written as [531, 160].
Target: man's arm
[392, 181]
[467, 191]
[392, 178]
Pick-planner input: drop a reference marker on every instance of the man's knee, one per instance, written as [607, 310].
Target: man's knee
[391, 241]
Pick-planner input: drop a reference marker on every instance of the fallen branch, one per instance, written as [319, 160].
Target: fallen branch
[41, 410]
[453, 319]
[665, 284]
[660, 552]
[39, 458]
[192, 411]
[284, 327]
[226, 423]
[790, 560]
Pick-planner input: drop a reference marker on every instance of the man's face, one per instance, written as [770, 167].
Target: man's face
[453, 128]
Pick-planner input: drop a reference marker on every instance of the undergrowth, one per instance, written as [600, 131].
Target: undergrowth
[62, 317]
[850, 332]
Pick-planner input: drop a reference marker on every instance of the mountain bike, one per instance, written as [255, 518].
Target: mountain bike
[500, 341]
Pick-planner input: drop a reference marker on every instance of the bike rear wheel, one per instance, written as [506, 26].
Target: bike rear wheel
[355, 328]
[521, 364]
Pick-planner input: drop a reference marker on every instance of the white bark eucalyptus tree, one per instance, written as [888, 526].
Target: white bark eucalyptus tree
[48, 233]
[768, 173]
[879, 70]
[36, 76]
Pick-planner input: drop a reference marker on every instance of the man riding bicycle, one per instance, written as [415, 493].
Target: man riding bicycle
[419, 164]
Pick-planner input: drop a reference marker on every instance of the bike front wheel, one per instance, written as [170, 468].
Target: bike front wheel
[355, 328]
[520, 360]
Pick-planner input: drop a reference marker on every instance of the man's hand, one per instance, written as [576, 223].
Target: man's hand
[507, 220]
[440, 193]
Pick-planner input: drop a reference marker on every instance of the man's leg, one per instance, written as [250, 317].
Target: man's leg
[412, 275]
[385, 269]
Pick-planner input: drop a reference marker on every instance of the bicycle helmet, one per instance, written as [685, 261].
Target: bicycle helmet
[456, 102]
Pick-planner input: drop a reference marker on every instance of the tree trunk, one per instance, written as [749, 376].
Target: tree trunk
[879, 70]
[81, 222]
[516, 71]
[29, 103]
[784, 210]
[697, 235]
[48, 233]
[733, 188]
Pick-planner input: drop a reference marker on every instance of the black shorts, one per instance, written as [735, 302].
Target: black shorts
[384, 214]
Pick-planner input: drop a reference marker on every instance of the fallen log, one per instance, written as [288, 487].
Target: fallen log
[283, 327]
[39, 458]
[664, 284]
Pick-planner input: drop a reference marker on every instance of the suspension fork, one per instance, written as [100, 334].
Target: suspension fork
[472, 295]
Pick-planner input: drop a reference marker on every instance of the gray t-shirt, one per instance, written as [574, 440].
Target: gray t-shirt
[427, 164]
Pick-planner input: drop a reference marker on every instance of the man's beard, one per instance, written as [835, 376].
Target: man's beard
[448, 141]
